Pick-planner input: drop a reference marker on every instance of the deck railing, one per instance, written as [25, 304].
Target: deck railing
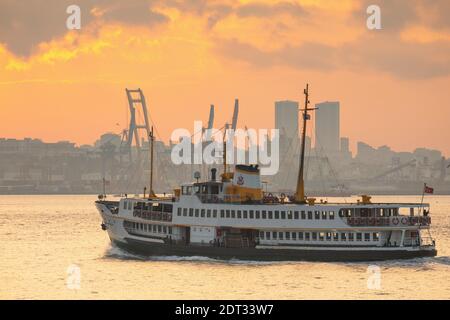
[396, 221]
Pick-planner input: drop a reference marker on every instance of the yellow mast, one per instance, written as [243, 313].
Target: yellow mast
[300, 193]
[150, 191]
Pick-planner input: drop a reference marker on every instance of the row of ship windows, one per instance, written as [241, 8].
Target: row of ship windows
[256, 214]
[146, 227]
[319, 236]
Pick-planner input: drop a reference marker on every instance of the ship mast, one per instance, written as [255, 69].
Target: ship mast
[152, 139]
[300, 193]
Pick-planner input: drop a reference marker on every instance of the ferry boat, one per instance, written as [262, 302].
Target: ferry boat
[230, 217]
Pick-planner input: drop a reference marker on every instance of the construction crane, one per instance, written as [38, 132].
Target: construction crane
[136, 103]
[395, 169]
[230, 136]
[208, 131]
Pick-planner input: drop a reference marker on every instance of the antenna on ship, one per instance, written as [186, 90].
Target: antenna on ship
[152, 139]
[300, 193]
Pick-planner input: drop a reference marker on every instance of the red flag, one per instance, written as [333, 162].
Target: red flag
[428, 189]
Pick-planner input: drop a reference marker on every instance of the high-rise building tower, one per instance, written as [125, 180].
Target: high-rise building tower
[327, 127]
[286, 119]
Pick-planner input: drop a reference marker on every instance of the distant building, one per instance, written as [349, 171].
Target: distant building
[286, 119]
[327, 127]
[345, 145]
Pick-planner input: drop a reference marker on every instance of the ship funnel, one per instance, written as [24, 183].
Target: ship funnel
[213, 174]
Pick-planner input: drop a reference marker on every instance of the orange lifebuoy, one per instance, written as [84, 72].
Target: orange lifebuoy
[405, 220]
[395, 221]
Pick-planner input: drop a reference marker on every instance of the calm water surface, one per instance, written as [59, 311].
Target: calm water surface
[42, 236]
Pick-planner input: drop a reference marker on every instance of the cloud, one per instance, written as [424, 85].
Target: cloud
[305, 56]
[25, 24]
[270, 10]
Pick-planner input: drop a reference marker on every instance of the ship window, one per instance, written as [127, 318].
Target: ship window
[155, 227]
[274, 235]
[294, 235]
[251, 214]
[288, 235]
[170, 230]
[289, 214]
[376, 236]
[197, 189]
[164, 229]
[245, 214]
[328, 236]
[227, 212]
[283, 214]
[130, 204]
[184, 212]
[222, 213]
[277, 214]
[196, 213]
[351, 236]
[395, 211]
[261, 234]
[191, 212]
[214, 189]
[314, 236]
[204, 189]
[264, 214]
[296, 215]
[202, 213]
[145, 227]
[159, 229]
[268, 235]
[321, 236]
[359, 236]
[366, 236]
[324, 215]
[341, 213]
[303, 214]
[233, 214]
[124, 205]
[316, 215]
[331, 215]
[280, 234]
[270, 214]
[208, 213]
[343, 236]
[364, 212]
[257, 214]
[307, 236]
[179, 212]
[214, 213]
[239, 214]
[335, 236]
[310, 215]
[300, 236]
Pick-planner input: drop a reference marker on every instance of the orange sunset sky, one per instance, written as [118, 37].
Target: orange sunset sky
[393, 83]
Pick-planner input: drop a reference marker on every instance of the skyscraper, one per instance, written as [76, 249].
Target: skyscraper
[286, 119]
[327, 127]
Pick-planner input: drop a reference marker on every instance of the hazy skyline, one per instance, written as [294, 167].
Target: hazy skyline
[392, 84]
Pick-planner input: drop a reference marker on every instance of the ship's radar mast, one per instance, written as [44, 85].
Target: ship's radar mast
[300, 193]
